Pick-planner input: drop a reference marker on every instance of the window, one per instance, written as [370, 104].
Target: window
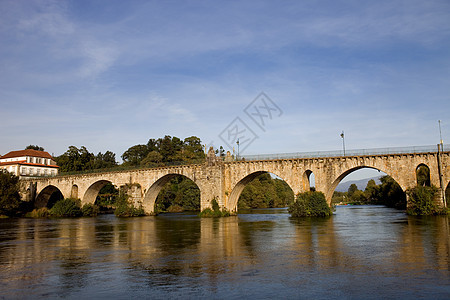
[23, 171]
[38, 172]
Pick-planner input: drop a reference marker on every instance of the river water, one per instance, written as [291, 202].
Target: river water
[360, 252]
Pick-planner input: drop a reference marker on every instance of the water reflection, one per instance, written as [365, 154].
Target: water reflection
[262, 253]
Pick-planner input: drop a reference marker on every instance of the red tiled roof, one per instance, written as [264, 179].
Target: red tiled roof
[27, 152]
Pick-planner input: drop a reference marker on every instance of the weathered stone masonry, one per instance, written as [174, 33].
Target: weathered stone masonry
[224, 181]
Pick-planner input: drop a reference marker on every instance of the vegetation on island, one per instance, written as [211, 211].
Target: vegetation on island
[214, 212]
[310, 204]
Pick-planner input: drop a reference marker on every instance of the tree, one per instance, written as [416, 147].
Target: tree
[371, 191]
[9, 194]
[153, 159]
[34, 147]
[134, 155]
[391, 194]
[423, 175]
[351, 189]
[310, 204]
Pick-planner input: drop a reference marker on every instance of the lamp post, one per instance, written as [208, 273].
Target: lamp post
[343, 141]
[440, 136]
[237, 142]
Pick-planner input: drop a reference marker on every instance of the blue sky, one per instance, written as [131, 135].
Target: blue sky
[112, 74]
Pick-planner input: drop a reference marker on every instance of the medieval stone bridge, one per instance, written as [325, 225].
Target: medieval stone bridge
[225, 180]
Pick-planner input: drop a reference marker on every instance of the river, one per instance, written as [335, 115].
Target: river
[362, 252]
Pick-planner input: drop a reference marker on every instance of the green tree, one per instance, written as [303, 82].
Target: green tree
[310, 204]
[351, 189]
[134, 155]
[371, 191]
[423, 175]
[153, 159]
[421, 201]
[9, 194]
[34, 147]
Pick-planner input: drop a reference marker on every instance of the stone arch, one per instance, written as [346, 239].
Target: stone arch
[74, 192]
[447, 194]
[423, 175]
[48, 196]
[239, 187]
[307, 180]
[329, 193]
[152, 193]
[91, 193]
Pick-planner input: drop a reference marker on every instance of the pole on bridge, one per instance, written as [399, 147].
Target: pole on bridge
[343, 141]
[441, 180]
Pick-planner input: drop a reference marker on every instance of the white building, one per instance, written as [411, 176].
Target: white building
[29, 162]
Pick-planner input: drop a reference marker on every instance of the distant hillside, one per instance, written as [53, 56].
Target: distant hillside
[361, 184]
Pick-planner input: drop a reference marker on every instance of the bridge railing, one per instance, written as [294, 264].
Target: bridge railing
[351, 152]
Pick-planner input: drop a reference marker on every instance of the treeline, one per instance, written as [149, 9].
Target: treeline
[266, 192]
[156, 153]
[387, 193]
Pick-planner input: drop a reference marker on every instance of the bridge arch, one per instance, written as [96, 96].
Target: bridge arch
[239, 187]
[329, 193]
[152, 193]
[48, 196]
[92, 191]
[423, 175]
[308, 175]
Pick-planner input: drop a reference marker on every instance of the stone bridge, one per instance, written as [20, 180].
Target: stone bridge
[225, 180]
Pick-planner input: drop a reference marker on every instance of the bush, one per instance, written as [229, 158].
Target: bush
[90, 210]
[9, 194]
[39, 213]
[310, 204]
[215, 212]
[68, 207]
[126, 209]
[421, 201]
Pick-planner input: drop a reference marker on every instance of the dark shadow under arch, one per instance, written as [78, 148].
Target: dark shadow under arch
[48, 197]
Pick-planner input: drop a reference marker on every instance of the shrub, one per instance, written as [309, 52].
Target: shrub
[68, 207]
[421, 201]
[38, 213]
[126, 209]
[310, 204]
[90, 210]
[215, 212]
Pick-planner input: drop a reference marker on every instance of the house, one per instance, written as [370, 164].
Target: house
[29, 163]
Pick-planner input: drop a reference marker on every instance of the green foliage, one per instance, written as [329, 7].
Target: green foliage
[43, 212]
[75, 159]
[351, 189]
[89, 210]
[163, 151]
[310, 204]
[68, 207]
[391, 194]
[215, 212]
[264, 192]
[423, 175]
[34, 147]
[126, 209]
[107, 196]
[421, 201]
[9, 194]
[179, 194]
